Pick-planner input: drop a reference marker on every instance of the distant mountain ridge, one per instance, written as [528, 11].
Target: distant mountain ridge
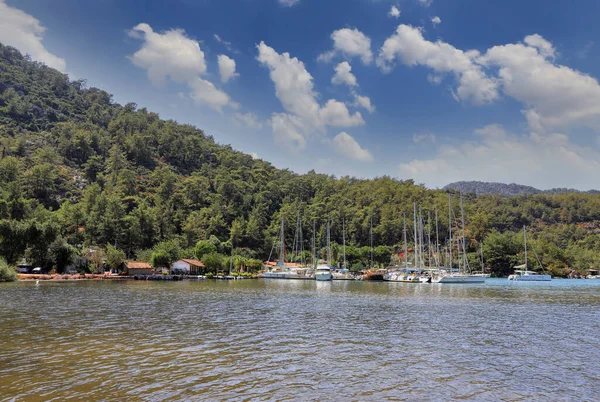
[507, 190]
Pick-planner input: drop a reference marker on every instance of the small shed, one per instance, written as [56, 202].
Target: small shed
[187, 266]
[134, 268]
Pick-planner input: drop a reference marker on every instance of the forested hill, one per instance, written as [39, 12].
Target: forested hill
[507, 190]
[82, 175]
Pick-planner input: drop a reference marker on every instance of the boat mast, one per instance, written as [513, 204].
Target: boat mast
[344, 239]
[371, 236]
[482, 265]
[416, 238]
[314, 250]
[429, 236]
[328, 244]
[462, 217]
[437, 240]
[405, 245]
[281, 244]
[525, 240]
[450, 229]
[422, 259]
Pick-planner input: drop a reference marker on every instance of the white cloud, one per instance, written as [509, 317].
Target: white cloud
[226, 68]
[394, 12]
[336, 114]
[349, 43]
[205, 93]
[248, 119]
[424, 137]
[346, 145]
[495, 155]
[288, 3]
[171, 54]
[24, 32]
[436, 20]
[554, 96]
[425, 3]
[294, 89]
[343, 75]
[287, 132]
[408, 45]
[254, 155]
[168, 54]
[544, 47]
[293, 84]
[363, 101]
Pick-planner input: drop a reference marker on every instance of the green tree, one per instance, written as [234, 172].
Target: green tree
[8, 273]
[202, 248]
[114, 257]
[214, 261]
[62, 254]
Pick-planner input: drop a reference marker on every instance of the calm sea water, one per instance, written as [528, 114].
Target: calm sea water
[300, 340]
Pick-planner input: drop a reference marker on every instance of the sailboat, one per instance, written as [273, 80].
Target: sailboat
[521, 271]
[323, 272]
[461, 276]
[373, 274]
[285, 270]
[343, 274]
[482, 273]
[409, 275]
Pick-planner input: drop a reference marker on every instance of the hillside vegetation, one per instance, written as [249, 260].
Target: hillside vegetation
[507, 190]
[83, 176]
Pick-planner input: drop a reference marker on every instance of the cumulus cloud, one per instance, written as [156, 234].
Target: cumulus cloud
[349, 43]
[493, 154]
[409, 46]
[25, 33]
[288, 3]
[343, 75]
[346, 145]
[394, 12]
[287, 132]
[294, 89]
[205, 93]
[171, 54]
[248, 119]
[226, 68]
[336, 114]
[436, 20]
[425, 3]
[554, 96]
[363, 101]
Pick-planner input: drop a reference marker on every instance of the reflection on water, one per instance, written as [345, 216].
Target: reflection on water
[277, 340]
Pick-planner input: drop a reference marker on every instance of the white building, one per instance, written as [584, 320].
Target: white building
[186, 266]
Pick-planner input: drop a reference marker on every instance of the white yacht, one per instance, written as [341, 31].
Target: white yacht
[458, 277]
[462, 275]
[523, 274]
[323, 273]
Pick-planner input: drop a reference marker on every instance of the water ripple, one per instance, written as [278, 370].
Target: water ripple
[299, 340]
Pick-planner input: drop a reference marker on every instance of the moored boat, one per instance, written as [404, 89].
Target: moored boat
[522, 274]
[323, 273]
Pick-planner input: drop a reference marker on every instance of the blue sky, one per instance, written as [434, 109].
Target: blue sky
[437, 90]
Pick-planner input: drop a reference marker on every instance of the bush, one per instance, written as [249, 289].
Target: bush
[8, 273]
